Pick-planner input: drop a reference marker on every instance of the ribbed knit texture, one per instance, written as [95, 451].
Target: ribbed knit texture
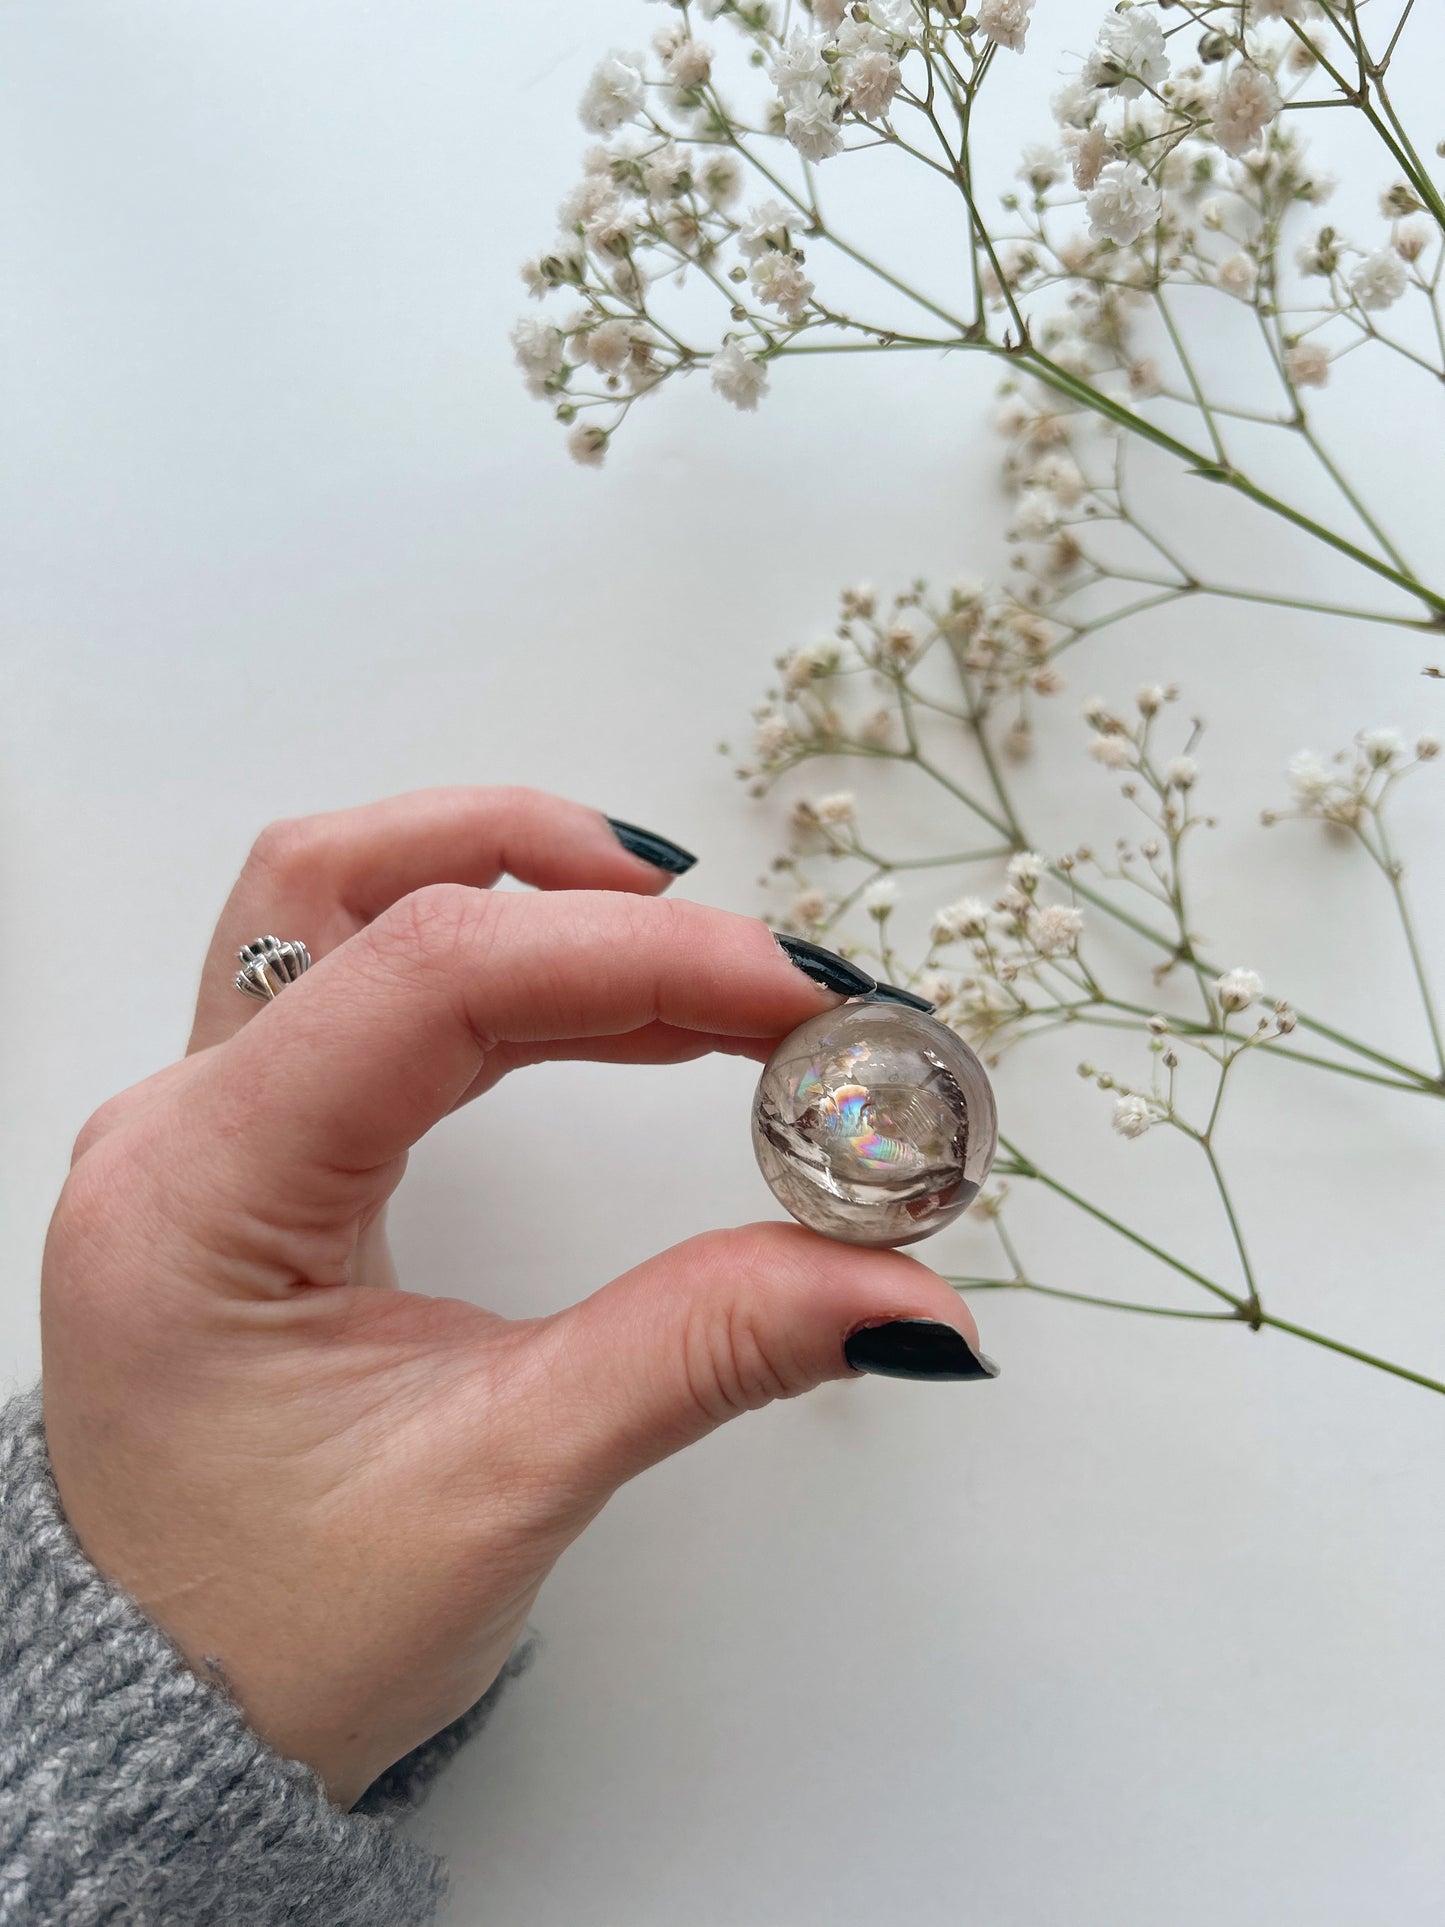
[133, 1794]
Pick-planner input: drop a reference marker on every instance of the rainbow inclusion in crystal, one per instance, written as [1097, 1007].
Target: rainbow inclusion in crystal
[874, 1124]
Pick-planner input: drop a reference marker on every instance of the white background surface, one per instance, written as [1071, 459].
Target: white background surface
[1148, 1631]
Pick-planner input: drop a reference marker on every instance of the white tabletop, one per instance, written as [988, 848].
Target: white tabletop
[1146, 1632]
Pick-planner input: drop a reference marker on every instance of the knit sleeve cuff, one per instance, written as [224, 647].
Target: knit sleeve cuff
[136, 1791]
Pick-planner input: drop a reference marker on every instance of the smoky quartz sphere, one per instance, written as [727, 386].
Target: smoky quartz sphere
[874, 1124]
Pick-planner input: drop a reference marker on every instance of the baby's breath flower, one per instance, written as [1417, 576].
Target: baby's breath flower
[1379, 280]
[688, 62]
[798, 69]
[1320, 254]
[1025, 868]
[809, 908]
[1310, 777]
[1055, 928]
[1036, 515]
[1134, 1115]
[1076, 104]
[721, 179]
[587, 444]
[1238, 989]
[1062, 477]
[614, 94]
[1307, 364]
[1382, 747]
[1040, 166]
[773, 735]
[969, 917]
[808, 663]
[1412, 238]
[1181, 773]
[1089, 149]
[1244, 106]
[881, 897]
[778, 279]
[1238, 275]
[877, 729]
[540, 351]
[812, 127]
[1131, 54]
[609, 345]
[1114, 752]
[1005, 22]
[1125, 203]
[935, 986]
[839, 810]
[768, 225]
[739, 377]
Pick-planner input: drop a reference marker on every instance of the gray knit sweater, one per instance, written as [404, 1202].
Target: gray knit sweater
[133, 1794]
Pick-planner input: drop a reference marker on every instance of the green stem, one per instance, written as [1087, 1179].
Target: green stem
[1026, 1168]
[1254, 1307]
[1388, 863]
[1009, 829]
[1316, 608]
[1087, 1298]
[1157, 937]
[1209, 468]
[1351, 1351]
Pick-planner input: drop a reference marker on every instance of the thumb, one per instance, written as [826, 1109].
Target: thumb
[730, 1321]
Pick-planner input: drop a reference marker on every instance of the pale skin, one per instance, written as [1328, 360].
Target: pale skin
[343, 1494]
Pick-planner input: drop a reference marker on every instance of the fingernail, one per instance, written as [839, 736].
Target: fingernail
[916, 1348]
[832, 972]
[895, 994]
[656, 850]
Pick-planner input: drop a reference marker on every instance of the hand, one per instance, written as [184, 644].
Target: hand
[347, 1495]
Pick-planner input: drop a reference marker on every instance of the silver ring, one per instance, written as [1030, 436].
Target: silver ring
[267, 966]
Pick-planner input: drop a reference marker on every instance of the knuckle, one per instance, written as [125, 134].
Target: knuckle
[281, 846]
[732, 1368]
[512, 799]
[120, 1110]
[735, 1359]
[97, 1197]
[441, 927]
[97, 1127]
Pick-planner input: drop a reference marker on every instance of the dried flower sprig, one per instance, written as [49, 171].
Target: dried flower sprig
[1184, 162]
[1175, 174]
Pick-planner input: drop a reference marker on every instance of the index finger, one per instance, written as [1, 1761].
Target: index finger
[384, 1037]
[321, 878]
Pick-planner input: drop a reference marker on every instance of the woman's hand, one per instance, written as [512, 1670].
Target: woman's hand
[343, 1495]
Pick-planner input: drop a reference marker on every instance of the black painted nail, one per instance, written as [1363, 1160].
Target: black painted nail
[895, 994]
[656, 850]
[832, 972]
[916, 1348]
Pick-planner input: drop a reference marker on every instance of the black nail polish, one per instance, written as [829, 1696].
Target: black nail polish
[832, 972]
[656, 850]
[916, 1348]
[896, 994]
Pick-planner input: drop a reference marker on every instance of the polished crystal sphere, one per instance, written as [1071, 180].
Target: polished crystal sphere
[874, 1124]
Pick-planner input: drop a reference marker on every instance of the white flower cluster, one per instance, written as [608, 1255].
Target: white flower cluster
[1348, 789]
[852, 69]
[1014, 941]
[1185, 172]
